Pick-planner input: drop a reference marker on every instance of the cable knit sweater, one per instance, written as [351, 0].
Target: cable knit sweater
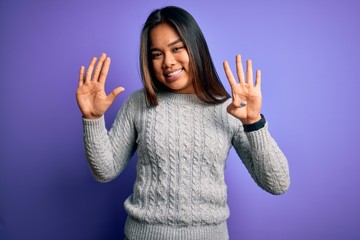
[182, 145]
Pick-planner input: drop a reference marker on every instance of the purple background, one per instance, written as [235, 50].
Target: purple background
[308, 52]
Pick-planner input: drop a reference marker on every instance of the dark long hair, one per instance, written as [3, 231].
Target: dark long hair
[207, 84]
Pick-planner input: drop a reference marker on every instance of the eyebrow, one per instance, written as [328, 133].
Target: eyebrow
[170, 44]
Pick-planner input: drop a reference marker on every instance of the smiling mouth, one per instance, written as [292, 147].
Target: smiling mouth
[174, 74]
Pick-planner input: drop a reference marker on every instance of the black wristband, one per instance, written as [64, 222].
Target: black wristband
[256, 125]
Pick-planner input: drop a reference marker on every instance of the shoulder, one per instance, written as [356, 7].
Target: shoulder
[135, 99]
[137, 95]
[133, 106]
[134, 103]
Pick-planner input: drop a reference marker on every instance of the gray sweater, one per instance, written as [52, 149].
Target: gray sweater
[182, 145]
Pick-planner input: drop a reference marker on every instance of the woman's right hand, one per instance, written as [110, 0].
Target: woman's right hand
[90, 94]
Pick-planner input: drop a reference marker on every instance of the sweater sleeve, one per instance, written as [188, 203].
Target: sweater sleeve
[108, 152]
[263, 158]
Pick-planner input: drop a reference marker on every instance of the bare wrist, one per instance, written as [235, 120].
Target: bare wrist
[91, 117]
[248, 121]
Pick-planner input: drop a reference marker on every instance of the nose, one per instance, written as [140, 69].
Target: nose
[169, 60]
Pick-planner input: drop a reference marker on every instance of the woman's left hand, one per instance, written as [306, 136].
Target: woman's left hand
[246, 97]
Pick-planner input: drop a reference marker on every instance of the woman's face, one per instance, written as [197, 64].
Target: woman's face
[170, 59]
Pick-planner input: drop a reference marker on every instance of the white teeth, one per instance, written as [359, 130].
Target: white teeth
[174, 73]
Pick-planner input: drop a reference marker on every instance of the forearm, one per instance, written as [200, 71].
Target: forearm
[264, 160]
[270, 164]
[105, 162]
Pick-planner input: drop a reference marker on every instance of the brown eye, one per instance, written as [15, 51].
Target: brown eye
[176, 49]
[155, 55]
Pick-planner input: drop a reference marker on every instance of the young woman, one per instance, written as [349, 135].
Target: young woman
[183, 124]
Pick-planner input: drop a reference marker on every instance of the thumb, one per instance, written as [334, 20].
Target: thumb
[112, 96]
[230, 109]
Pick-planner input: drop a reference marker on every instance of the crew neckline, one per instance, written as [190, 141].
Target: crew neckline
[179, 98]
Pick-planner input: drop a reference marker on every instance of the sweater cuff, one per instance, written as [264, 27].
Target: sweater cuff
[255, 126]
[93, 127]
[93, 122]
[259, 139]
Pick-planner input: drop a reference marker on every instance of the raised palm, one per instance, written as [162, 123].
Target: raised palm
[90, 94]
[244, 92]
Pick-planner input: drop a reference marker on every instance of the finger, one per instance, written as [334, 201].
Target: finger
[229, 74]
[258, 79]
[249, 72]
[239, 69]
[104, 70]
[99, 66]
[112, 96]
[90, 69]
[81, 76]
